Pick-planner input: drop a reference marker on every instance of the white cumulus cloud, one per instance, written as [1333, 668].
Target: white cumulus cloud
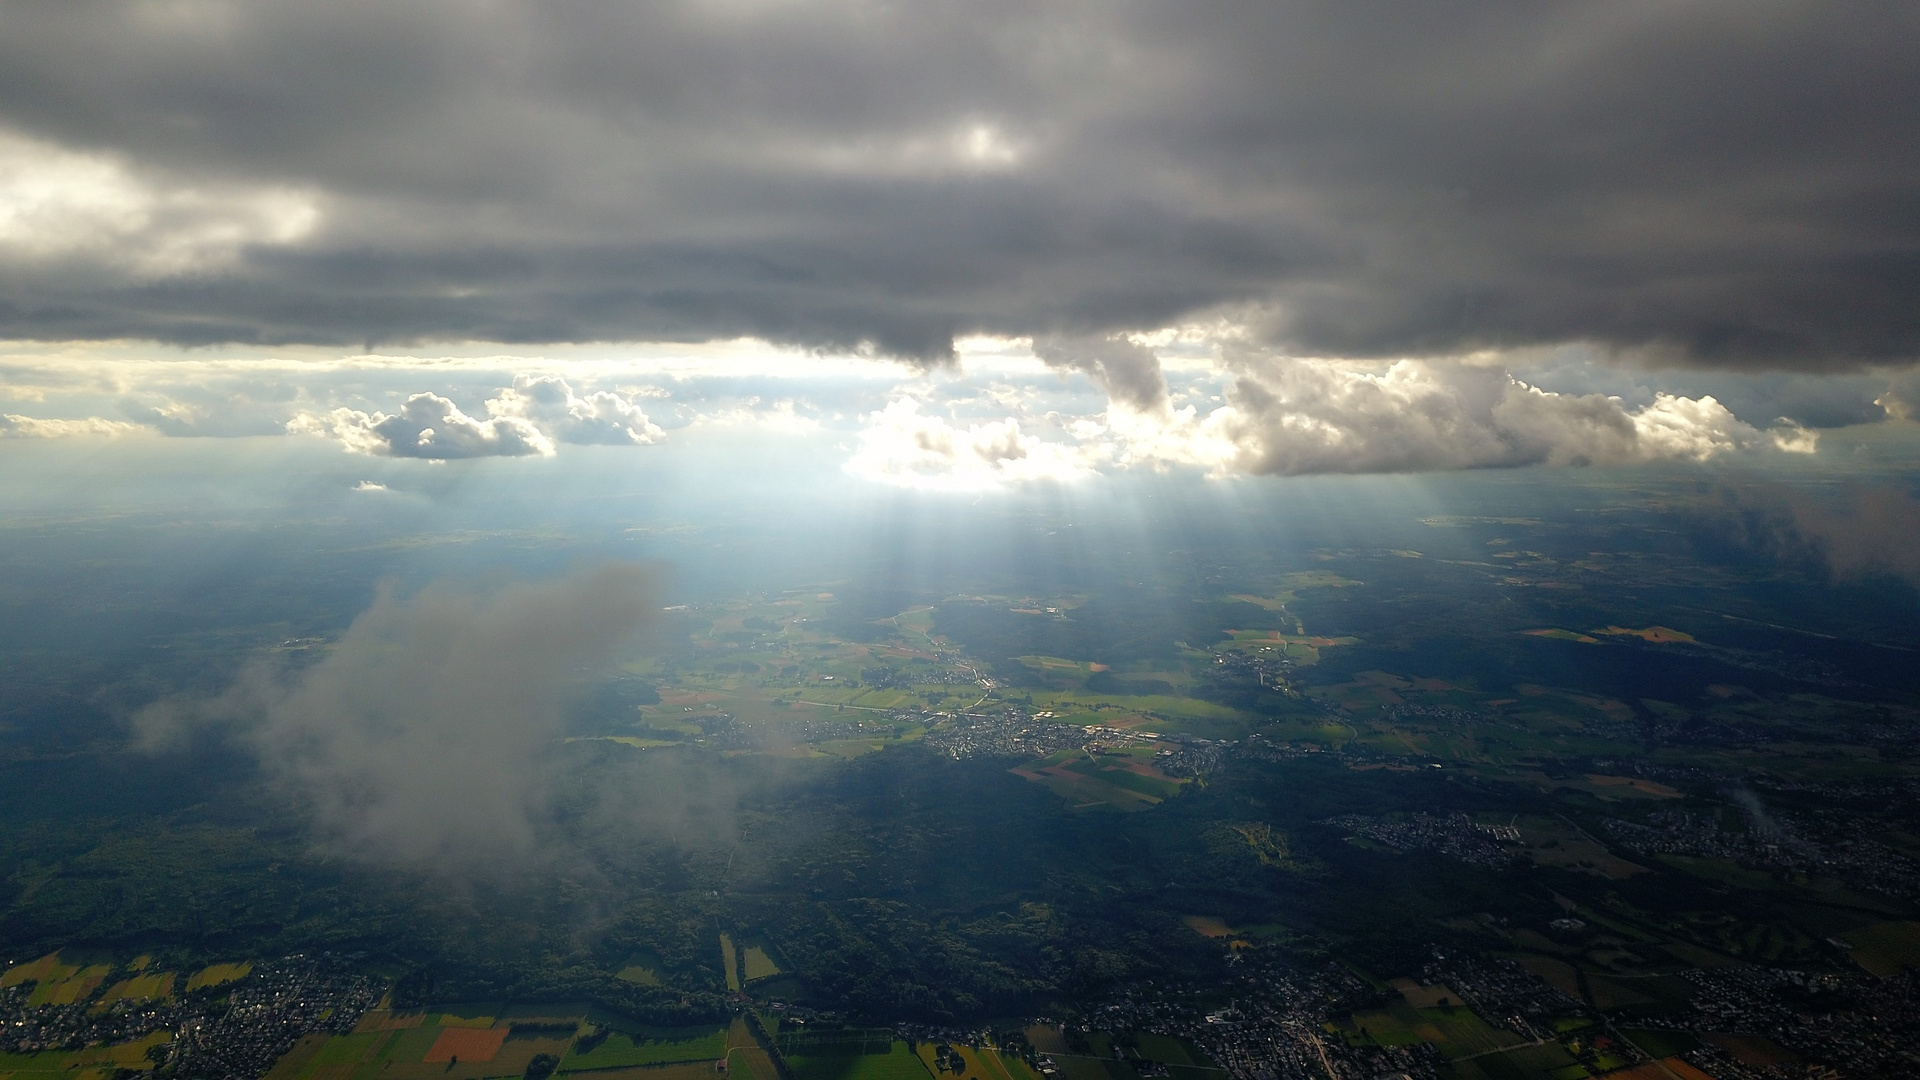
[548, 403]
[1290, 417]
[427, 426]
[528, 418]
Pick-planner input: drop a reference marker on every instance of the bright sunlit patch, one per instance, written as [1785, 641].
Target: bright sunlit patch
[972, 146]
[906, 448]
[986, 146]
[57, 203]
[1790, 438]
[781, 416]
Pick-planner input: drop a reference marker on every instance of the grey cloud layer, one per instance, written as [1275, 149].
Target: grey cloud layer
[1727, 182]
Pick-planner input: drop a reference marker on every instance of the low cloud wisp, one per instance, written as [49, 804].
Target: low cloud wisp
[422, 737]
[1850, 531]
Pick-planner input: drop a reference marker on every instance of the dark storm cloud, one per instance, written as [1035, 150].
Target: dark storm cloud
[1726, 183]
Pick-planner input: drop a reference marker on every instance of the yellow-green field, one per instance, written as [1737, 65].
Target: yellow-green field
[1159, 710]
[94, 1060]
[76, 987]
[728, 962]
[759, 964]
[46, 969]
[217, 974]
[155, 987]
[1059, 670]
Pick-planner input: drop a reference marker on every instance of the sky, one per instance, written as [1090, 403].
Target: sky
[963, 247]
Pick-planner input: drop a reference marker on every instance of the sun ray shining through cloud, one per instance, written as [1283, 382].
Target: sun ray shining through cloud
[856, 540]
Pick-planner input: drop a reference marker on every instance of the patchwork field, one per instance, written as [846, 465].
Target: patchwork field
[417, 1046]
[795, 674]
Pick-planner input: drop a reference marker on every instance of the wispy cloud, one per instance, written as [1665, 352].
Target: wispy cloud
[422, 736]
[904, 447]
[15, 426]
